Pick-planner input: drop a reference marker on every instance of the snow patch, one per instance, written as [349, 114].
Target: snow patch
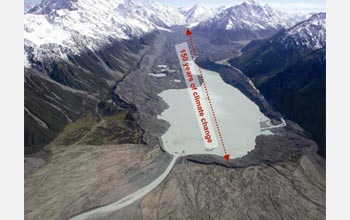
[157, 75]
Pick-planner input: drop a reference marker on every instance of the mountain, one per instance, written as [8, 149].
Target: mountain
[198, 13]
[247, 21]
[29, 4]
[310, 34]
[303, 16]
[93, 127]
[75, 51]
[263, 57]
[70, 26]
[290, 70]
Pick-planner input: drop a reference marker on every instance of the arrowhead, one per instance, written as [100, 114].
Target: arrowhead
[227, 156]
[188, 32]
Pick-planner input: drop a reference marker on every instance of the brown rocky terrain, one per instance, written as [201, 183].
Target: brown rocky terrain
[97, 159]
[79, 176]
[293, 189]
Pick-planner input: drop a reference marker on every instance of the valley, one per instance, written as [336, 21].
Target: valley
[275, 150]
[121, 151]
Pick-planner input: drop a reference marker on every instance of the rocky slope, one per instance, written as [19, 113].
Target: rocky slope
[79, 177]
[290, 71]
[75, 51]
[66, 89]
[289, 190]
[293, 189]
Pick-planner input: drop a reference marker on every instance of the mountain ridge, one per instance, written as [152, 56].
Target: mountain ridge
[198, 13]
[289, 68]
[246, 21]
[57, 28]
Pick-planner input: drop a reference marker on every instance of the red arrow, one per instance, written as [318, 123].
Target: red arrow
[188, 32]
[227, 156]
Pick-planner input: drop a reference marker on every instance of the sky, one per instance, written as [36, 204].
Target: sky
[292, 6]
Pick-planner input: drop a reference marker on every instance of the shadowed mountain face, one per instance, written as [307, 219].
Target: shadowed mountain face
[59, 91]
[299, 91]
[290, 71]
[29, 4]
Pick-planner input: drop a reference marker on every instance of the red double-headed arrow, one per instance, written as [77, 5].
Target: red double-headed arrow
[189, 34]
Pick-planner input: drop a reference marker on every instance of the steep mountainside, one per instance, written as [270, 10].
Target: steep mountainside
[198, 13]
[247, 21]
[65, 27]
[290, 70]
[29, 4]
[69, 68]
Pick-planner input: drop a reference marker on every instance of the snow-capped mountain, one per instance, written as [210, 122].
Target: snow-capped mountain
[183, 10]
[300, 43]
[249, 20]
[29, 4]
[302, 16]
[57, 27]
[307, 34]
[198, 13]
[285, 47]
[220, 9]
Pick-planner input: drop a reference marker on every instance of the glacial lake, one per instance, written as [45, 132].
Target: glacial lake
[238, 117]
